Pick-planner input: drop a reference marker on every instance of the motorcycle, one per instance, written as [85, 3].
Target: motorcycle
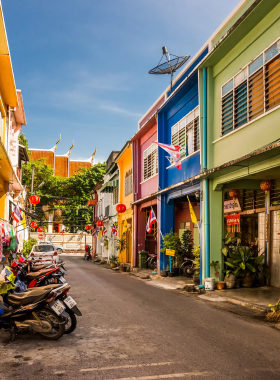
[152, 261]
[36, 310]
[87, 255]
[188, 266]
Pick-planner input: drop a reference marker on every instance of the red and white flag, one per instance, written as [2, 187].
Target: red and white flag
[104, 231]
[17, 214]
[174, 151]
[152, 219]
[114, 230]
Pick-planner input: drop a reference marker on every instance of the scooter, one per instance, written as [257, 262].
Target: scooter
[36, 311]
[87, 255]
[152, 261]
[188, 266]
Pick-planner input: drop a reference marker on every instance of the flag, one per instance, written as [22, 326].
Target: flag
[152, 219]
[17, 214]
[94, 233]
[193, 216]
[100, 233]
[104, 231]
[23, 222]
[174, 151]
[114, 230]
[125, 226]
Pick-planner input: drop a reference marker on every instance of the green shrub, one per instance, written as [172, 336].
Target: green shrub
[27, 246]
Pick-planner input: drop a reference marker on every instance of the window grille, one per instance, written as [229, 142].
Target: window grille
[253, 91]
[150, 162]
[128, 183]
[107, 210]
[186, 133]
[115, 195]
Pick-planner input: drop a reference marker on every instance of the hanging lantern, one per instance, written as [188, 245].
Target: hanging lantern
[87, 228]
[266, 186]
[234, 193]
[100, 223]
[34, 225]
[40, 236]
[34, 199]
[120, 208]
[40, 229]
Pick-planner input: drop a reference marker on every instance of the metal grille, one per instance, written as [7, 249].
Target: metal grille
[253, 199]
[107, 210]
[275, 192]
[256, 96]
[227, 113]
[196, 136]
[240, 109]
[272, 84]
[128, 184]
[115, 195]
[150, 161]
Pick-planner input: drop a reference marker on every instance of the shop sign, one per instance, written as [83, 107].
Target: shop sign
[232, 206]
[170, 252]
[233, 219]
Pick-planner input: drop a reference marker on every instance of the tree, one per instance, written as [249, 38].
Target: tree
[23, 141]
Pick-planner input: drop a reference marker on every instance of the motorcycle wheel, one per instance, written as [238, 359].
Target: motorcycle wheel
[58, 326]
[152, 264]
[189, 270]
[70, 322]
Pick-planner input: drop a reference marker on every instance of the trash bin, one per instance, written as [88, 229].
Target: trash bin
[143, 256]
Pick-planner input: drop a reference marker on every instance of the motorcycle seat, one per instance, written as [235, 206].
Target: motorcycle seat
[30, 276]
[47, 287]
[22, 299]
[38, 267]
[152, 255]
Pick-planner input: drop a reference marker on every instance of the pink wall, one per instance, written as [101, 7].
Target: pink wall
[151, 113]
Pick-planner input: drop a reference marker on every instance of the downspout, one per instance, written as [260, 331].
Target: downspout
[206, 181]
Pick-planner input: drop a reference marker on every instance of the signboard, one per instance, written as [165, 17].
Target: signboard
[232, 206]
[170, 252]
[233, 219]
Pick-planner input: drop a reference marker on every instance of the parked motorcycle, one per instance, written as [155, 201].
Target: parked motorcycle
[188, 266]
[36, 311]
[87, 255]
[152, 261]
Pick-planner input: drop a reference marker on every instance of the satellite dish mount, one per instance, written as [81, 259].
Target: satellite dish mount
[170, 66]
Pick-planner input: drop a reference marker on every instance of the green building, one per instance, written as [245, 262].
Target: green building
[239, 90]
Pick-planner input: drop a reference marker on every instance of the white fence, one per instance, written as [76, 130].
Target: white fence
[70, 242]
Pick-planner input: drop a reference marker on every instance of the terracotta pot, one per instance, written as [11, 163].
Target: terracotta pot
[230, 281]
[196, 280]
[248, 280]
[221, 285]
[122, 269]
[113, 265]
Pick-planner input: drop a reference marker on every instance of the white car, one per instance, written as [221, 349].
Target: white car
[43, 254]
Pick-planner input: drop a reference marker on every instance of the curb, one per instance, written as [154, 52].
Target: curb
[247, 304]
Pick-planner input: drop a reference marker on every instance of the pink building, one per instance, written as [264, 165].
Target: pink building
[145, 175]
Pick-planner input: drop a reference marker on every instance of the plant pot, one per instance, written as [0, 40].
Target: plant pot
[176, 271]
[221, 285]
[170, 274]
[113, 265]
[163, 273]
[238, 282]
[122, 269]
[196, 280]
[248, 280]
[230, 281]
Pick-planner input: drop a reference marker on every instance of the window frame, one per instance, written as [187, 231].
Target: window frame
[154, 148]
[247, 79]
[128, 183]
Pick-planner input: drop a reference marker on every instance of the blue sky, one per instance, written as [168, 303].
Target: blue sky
[82, 65]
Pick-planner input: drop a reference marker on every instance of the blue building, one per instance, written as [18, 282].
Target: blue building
[179, 124]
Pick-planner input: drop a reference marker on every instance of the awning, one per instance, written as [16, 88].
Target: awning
[108, 187]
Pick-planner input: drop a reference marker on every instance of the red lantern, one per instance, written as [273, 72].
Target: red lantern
[40, 229]
[100, 223]
[121, 208]
[40, 236]
[266, 186]
[34, 199]
[87, 228]
[34, 225]
[234, 193]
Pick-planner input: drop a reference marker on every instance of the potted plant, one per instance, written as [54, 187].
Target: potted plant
[196, 276]
[216, 266]
[113, 261]
[120, 247]
[172, 241]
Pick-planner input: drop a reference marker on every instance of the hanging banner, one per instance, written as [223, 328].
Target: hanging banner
[232, 206]
[233, 220]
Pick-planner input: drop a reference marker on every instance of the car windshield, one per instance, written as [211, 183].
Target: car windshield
[43, 248]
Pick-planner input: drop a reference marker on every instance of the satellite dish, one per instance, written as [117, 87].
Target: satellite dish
[170, 66]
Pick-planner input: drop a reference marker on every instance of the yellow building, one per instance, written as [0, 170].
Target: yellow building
[125, 220]
[9, 179]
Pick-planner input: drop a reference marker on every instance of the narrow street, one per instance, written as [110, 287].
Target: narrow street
[130, 330]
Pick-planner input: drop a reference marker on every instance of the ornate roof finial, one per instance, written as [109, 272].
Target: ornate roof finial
[69, 153]
[55, 147]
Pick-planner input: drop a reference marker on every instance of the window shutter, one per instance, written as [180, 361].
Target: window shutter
[227, 113]
[196, 135]
[240, 105]
[256, 97]
[272, 84]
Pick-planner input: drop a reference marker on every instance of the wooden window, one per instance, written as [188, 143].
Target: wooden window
[256, 96]
[128, 183]
[115, 195]
[150, 162]
[272, 84]
[240, 106]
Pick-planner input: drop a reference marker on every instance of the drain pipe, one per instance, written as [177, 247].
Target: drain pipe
[206, 181]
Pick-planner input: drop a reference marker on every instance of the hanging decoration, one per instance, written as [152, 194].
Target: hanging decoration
[99, 223]
[34, 225]
[40, 229]
[120, 208]
[234, 193]
[87, 228]
[34, 199]
[233, 223]
[266, 186]
[40, 236]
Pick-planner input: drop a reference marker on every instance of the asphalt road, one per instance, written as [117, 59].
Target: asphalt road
[131, 330]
